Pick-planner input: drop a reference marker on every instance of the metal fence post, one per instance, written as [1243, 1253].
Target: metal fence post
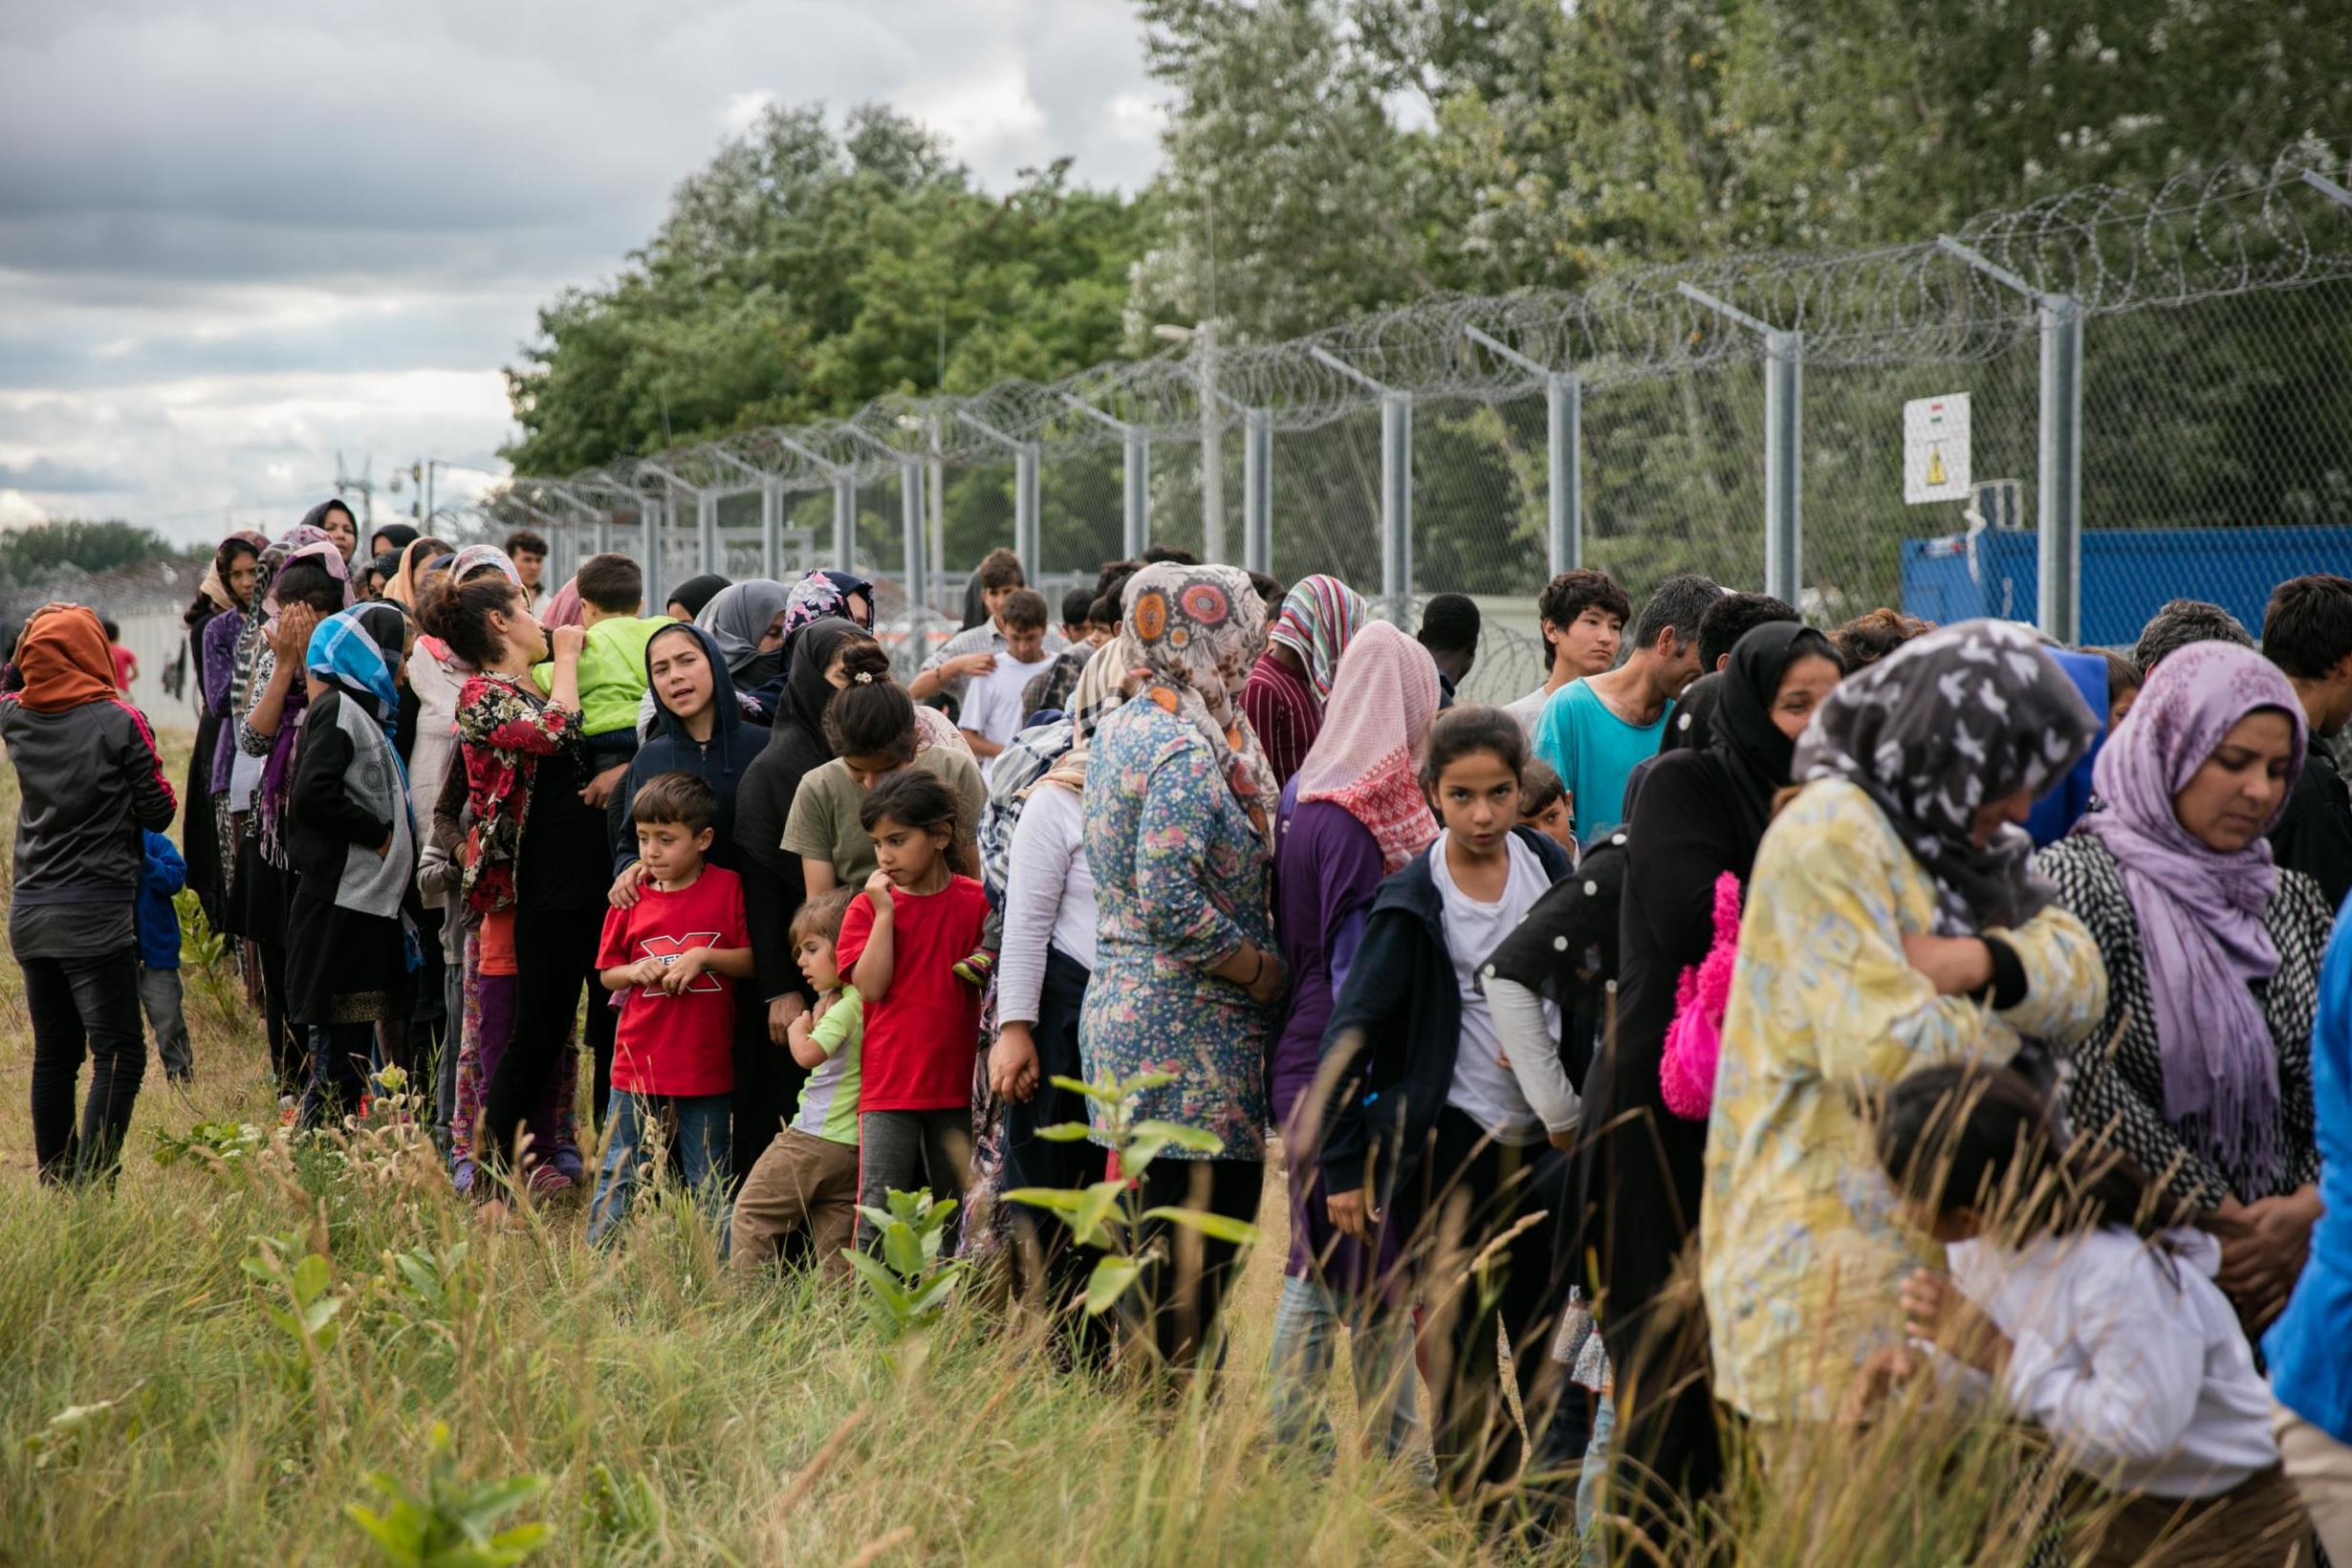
[1563, 418]
[2057, 522]
[657, 584]
[1135, 495]
[1396, 488]
[1784, 445]
[2059, 456]
[1257, 490]
[910, 534]
[1784, 464]
[845, 520]
[1026, 460]
[1563, 421]
[1397, 507]
[707, 529]
[770, 528]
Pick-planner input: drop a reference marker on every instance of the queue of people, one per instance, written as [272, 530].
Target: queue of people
[1747, 1020]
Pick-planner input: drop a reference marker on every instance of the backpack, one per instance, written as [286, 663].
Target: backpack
[1694, 1039]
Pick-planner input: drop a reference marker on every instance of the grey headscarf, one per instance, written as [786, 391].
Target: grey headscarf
[1938, 728]
[738, 616]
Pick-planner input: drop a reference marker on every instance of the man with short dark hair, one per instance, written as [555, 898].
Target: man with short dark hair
[974, 650]
[2307, 633]
[2181, 622]
[1732, 618]
[1449, 630]
[1582, 618]
[1076, 606]
[528, 554]
[1597, 729]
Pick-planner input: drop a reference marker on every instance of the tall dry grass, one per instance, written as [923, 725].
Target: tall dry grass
[679, 1417]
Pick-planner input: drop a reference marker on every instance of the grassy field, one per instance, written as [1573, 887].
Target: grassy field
[166, 1396]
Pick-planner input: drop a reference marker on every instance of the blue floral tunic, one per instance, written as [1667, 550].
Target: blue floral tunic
[1181, 880]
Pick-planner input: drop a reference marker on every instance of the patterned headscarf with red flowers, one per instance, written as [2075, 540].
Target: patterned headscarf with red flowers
[1191, 634]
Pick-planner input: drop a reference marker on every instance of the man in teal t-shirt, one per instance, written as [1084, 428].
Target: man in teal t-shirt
[1594, 731]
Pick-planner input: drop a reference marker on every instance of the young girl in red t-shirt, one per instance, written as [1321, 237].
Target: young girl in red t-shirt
[900, 944]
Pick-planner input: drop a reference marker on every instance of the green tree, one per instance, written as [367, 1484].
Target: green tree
[803, 274]
[48, 552]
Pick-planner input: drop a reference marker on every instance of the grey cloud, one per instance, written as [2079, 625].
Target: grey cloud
[44, 473]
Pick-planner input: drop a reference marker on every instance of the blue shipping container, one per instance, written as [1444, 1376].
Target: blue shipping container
[2127, 574]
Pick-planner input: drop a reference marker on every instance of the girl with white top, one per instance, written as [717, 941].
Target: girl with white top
[1042, 968]
[1427, 1129]
[2092, 1319]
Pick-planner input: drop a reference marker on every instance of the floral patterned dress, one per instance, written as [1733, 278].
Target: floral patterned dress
[1803, 1244]
[1182, 879]
[503, 729]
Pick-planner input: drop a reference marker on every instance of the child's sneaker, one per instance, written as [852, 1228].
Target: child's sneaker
[978, 970]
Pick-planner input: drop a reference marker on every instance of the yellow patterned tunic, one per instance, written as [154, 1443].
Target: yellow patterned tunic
[1803, 1249]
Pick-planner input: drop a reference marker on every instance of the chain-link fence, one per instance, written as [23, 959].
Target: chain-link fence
[2158, 393]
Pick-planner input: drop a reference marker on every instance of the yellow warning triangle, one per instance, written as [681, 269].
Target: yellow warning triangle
[1935, 467]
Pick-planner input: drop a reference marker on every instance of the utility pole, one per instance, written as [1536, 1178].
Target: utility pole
[363, 483]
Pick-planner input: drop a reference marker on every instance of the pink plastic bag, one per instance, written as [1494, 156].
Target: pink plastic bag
[1694, 1039]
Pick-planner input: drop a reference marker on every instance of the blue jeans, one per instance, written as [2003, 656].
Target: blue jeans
[1306, 1330]
[1595, 1473]
[694, 1130]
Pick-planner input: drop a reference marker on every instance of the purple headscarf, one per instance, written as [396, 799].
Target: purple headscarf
[2200, 910]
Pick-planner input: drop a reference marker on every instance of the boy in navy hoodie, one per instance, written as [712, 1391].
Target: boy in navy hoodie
[164, 874]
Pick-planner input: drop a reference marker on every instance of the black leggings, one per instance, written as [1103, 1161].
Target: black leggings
[1047, 1261]
[1469, 1191]
[553, 950]
[83, 1005]
[1178, 1299]
[290, 1052]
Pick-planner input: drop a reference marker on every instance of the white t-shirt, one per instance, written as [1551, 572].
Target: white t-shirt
[1529, 709]
[993, 701]
[1483, 1088]
[1048, 899]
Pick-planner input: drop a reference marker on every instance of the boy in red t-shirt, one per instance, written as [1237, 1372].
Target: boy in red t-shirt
[900, 944]
[671, 955]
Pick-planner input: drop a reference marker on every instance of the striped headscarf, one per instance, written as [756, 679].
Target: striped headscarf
[355, 652]
[474, 557]
[1318, 618]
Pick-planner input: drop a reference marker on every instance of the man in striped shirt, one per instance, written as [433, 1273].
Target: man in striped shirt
[974, 651]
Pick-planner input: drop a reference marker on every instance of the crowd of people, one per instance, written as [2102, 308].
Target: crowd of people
[1746, 1021]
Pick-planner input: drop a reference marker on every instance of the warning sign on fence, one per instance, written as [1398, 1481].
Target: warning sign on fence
[1935, 449]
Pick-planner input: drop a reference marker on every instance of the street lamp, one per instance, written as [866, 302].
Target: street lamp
[1202, 336]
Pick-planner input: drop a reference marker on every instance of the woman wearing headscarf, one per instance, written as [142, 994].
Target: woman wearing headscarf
[534, 847]
[1286, 692]
[1697, 818]
[89, 781]
[773, 885]
[688, 598]
[214, 623]
[746, 622]
[436, 676]
[703, 731]
[390, 538]
[1043, 967]
[2201, 1070]
[312, 583]
[563, 609]
[1354, 815]
[352, 842]
[334, 521]
[821, 594]
[1180, 808]
[1891, 922]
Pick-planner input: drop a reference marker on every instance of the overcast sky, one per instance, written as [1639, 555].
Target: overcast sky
[234, 239]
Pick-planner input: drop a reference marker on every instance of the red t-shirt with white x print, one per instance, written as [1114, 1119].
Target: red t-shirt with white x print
[682, 1044]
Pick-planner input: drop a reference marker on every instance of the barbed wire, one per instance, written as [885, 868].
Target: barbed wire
[2201, 234]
